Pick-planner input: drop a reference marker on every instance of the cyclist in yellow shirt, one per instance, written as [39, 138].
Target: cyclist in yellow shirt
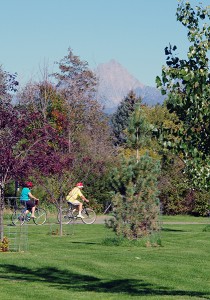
[73, 196]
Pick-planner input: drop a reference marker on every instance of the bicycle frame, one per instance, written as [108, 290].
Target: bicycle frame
[70, 214]
[19, 216]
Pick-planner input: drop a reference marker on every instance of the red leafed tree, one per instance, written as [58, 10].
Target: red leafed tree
[30, 144]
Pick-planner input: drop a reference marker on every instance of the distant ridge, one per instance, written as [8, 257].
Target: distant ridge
[115, 82]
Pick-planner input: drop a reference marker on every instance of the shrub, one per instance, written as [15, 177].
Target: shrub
[4, 245]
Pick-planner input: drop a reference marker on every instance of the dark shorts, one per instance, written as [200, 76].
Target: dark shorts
[29, 204]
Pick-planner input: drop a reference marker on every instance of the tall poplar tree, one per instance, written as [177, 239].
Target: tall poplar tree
[187, 85]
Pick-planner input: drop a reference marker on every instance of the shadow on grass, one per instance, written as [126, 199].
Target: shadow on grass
[66, 280]
[169, 229]
[85, 243]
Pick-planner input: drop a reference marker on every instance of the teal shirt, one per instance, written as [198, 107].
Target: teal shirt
[24, 194]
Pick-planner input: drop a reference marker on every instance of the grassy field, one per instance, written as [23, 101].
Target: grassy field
[185, 218]
[87, 263]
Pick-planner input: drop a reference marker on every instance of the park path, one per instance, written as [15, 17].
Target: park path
[101, 220]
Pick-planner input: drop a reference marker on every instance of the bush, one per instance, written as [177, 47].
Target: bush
[4, 245]
[201, 205]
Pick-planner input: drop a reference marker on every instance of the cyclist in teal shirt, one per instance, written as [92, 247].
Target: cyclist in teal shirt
[26, 198]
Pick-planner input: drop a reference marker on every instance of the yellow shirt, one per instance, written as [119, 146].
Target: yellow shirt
[74, 194]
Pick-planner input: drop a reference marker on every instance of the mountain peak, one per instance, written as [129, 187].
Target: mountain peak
[115, 82]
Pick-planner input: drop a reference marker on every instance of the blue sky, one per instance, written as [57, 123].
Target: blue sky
[36, 33]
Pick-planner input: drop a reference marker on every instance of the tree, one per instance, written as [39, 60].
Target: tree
[88, 128]
[25, 147]
[134, 181]
[8, 83]
[32, 144]
[77, 85]
[139, 131]
[186, 83]
[9, 132]
[71, 109]
[120, 118]
[136, 204]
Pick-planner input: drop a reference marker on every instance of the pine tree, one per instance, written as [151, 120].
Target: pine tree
[139, 131]
[120, 118]
[136, 204]
[134, 183]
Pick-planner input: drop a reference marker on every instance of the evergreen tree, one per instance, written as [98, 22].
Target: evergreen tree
[136, 204]
[134, 182]
[120, 118]
[139, 130]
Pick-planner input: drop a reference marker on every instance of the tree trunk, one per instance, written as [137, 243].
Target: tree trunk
[137, 150]
[60, 222]
[1, 212]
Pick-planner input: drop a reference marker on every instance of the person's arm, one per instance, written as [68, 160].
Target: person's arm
[32, 197]
[84, 199]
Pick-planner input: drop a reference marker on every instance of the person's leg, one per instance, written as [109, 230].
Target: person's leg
[32, 211]
[24, 206]
[26, 209]
[80, 208]
[31, 207]
[80, 211]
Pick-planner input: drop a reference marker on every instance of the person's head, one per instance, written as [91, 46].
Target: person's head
[79, 185]
[29, 184]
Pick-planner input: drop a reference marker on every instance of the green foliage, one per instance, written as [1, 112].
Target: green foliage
[201, 205]
[152, 240]
[97, 190]
[186, 83]
[176, 195]
[120, 118]
[136, 205]
[139, 131]
[134, 182]
[174, 187]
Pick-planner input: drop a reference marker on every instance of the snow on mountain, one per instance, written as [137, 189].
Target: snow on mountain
[115, 82]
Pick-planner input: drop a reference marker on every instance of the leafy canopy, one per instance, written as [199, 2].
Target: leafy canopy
[186, 83]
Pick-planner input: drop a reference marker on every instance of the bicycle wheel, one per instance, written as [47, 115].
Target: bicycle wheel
[18, 217]
[89, 216]
[40, 216]
[65, 216]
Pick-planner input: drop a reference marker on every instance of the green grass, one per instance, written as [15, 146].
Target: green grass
[185, 218]
[86, 264]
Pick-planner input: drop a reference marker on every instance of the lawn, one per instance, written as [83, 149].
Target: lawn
[85, 263]
[185, 218]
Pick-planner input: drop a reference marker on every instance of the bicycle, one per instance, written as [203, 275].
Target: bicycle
[68, 215]
[19, 216]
